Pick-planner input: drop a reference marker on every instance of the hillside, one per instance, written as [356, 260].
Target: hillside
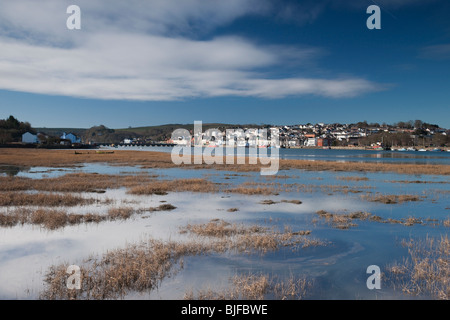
[102, 134]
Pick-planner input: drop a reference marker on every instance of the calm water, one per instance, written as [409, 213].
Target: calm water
[338, 155]
[338, 269]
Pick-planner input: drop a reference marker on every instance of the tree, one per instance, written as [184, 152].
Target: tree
[11, 129]
[418, 124]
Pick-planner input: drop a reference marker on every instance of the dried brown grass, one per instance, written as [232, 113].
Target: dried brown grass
[251, 239]
[163, 207]
[257, 287]
[391, 198]
[353, 178]
[252, 191]
[42, 199]
[75, 182]
[416, 181]
[64, 158]
[137, 267]
[121, 213]
[446, 223]
[162, 187]
[292, 201]
[426, 272]
[141, 267]
[54, 219]
[346, 220]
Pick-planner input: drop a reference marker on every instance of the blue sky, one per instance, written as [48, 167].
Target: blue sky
[239, 61]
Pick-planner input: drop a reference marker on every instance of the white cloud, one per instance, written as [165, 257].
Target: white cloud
[141, 50]
[436, 52]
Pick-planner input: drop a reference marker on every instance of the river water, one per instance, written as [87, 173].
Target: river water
[338, 270]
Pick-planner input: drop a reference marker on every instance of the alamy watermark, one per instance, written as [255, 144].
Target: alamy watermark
[74, 279]
[208, 147]
[373, 281]
[74, 20]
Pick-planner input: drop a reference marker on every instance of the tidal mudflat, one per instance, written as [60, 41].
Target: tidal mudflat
[141, 230]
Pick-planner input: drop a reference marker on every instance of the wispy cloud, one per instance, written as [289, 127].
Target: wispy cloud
[436, 52]
[145, 50]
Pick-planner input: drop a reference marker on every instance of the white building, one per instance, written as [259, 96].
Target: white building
[311, 142]
[28, 137]
[70, 136]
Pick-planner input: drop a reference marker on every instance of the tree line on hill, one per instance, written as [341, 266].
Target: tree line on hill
[11, 130]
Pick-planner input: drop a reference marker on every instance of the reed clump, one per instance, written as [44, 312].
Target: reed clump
[257, 287]
[352, 178]
[163, 207]
[250, 239]
[215, 228]
[42, 199]
[75, 182]
[292, 201]
[162, 187]
[426, 271]
[54, 219]
[137, 267]
[141, 267]
[121, 213]
[345, 220]
[391, 198]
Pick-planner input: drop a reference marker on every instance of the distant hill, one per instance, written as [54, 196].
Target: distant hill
[102, 134]
[169, 128]
[57, 132]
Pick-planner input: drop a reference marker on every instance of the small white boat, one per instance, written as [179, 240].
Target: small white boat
[422, 150]
[402, 149]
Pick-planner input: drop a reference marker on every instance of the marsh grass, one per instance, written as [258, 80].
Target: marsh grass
[257, 287]
[251, 239]
[416, 181]
[391, 198]
[275, 188]
[426, 271]
[352, 178]
[53, 219]
[147, 184]
[446, 223]
[162, 187]
[268, 202]
[134, 268]
[215, 228]
[42, 199]
[121, 213]
[292, 201]
[346, 220]
[141, 267]
[252, 190]
[163, 207]
[75, 182]
[66, 158]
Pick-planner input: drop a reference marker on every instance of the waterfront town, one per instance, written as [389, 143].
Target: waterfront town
[412, 135]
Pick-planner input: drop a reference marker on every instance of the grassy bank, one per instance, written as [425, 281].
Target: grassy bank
[67, 158]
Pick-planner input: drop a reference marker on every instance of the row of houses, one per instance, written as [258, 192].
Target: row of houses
[304, 135]
[241, 137]
[65, 138]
